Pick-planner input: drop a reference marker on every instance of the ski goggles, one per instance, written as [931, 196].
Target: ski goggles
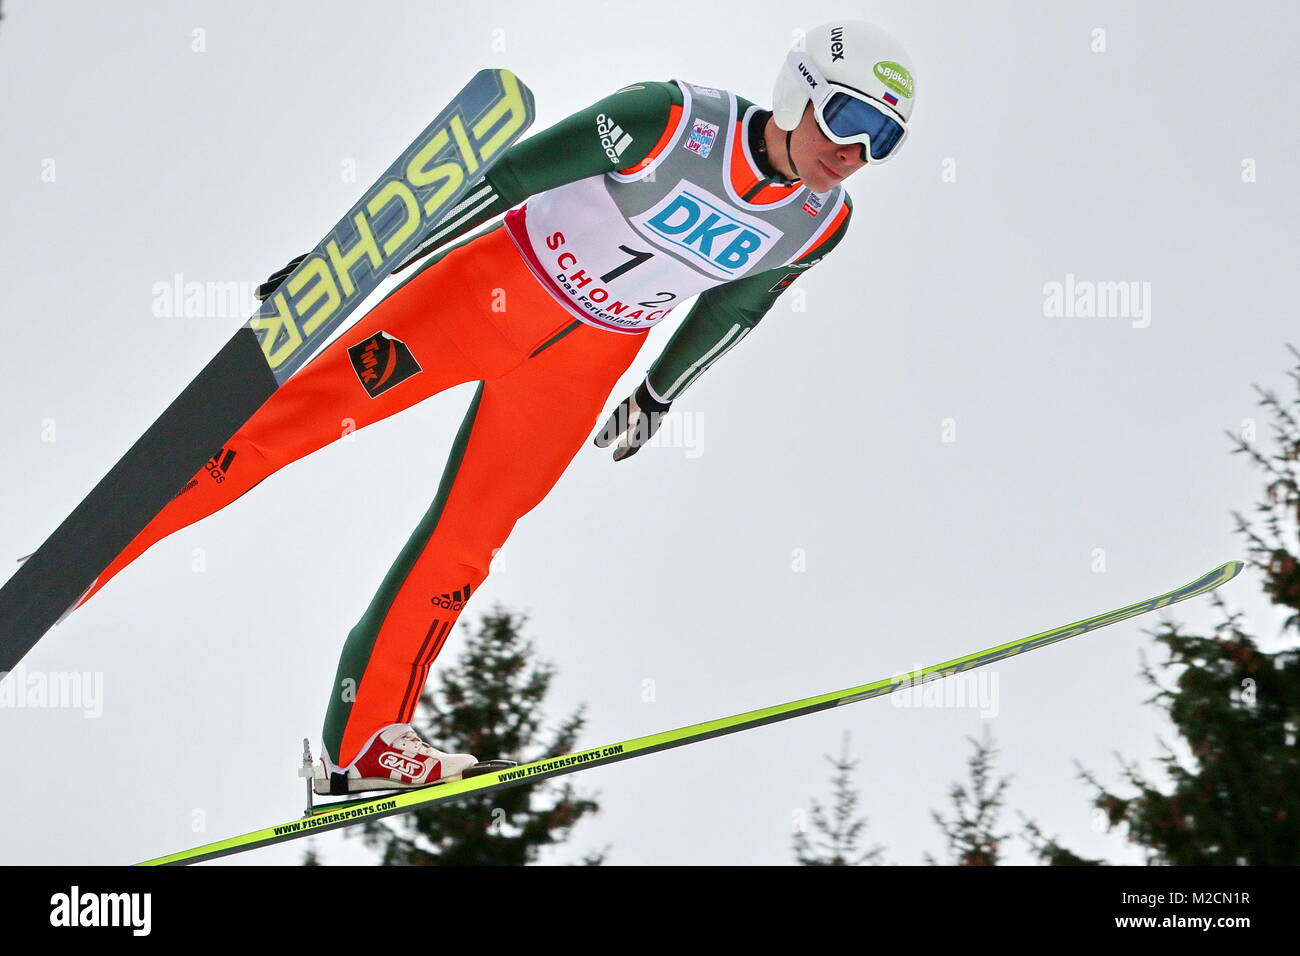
[847, 116]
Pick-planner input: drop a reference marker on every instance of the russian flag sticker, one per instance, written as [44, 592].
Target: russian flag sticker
[891, 99]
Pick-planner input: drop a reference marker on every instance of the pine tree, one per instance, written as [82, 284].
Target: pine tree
[1232, 798]
[839, 831]
[1049, 851]
[970, 835]
[489, 704]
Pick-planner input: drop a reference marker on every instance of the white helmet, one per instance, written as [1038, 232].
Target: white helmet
[859, 80]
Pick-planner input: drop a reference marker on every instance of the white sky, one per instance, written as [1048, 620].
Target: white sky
[822, 432]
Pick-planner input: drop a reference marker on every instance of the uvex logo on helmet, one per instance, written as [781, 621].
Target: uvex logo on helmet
[895, 76]
[803, 71]
[837, 43]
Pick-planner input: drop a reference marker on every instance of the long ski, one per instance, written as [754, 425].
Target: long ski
[359, 811]
[408, 200]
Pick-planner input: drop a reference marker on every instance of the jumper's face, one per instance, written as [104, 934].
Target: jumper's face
[822, 163]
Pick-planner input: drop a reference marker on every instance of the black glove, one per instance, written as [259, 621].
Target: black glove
[637, 418]
[265, 290]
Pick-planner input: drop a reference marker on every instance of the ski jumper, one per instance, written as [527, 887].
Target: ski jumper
[652, 195]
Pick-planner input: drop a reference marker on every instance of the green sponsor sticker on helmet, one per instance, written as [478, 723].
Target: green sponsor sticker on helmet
[895, 76]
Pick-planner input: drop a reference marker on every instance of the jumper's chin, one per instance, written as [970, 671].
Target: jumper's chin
[819, 179]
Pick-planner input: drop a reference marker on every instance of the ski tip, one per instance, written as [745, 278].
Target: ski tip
[1230, 569]
[1211, 579]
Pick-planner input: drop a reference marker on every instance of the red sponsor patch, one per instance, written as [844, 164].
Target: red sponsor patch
[382, 361]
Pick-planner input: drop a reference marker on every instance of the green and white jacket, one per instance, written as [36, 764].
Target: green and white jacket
[649, 196]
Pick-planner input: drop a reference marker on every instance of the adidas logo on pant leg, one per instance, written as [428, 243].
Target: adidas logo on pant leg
[452, 600]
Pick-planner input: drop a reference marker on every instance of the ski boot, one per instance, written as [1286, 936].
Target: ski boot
[395, 758]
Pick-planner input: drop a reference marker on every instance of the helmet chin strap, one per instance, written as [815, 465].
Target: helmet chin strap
[789, 155]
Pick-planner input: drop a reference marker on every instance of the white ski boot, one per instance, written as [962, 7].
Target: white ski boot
[396, 757]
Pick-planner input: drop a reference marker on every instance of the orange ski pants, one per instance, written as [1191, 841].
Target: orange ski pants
[472, 314]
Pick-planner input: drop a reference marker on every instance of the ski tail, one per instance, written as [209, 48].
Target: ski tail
[405, 204]
[126, 499]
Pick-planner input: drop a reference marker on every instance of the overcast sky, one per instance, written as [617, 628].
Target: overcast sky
[957, 464]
